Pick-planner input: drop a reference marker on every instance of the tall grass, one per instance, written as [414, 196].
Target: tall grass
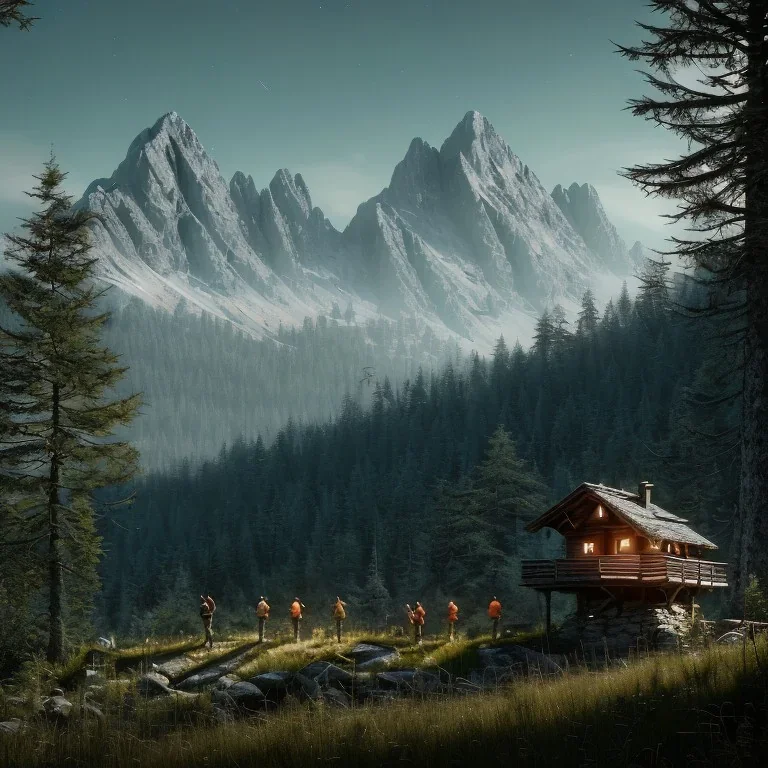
[707, 709]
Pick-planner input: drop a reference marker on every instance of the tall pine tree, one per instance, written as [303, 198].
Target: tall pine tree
[507, 493]
[721, 186]
[57, 419]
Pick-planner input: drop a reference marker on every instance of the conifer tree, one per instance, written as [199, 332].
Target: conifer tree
[653, 297]
[721, 186]
[507, 494]
[57, 420]
[467, 555]
[376, 599]
[560, 332]
[624, 306]
[14, 12]
[588, 314]
[544, 335]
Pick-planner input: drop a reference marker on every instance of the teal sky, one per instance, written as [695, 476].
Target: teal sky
[334, 89]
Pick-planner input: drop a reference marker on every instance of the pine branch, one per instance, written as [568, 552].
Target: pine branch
[13, 12]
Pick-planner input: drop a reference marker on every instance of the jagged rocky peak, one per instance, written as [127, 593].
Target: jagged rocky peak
[168, 206]
[291, 195]
[477, 141]
[463, 236]
[416, 178]
[639, 253]
[584, 211]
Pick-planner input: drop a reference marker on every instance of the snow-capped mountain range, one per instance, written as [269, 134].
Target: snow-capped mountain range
[465, 238]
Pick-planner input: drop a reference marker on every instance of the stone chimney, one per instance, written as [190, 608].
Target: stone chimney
[644, 493]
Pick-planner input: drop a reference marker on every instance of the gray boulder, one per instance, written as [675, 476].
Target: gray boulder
[199, 680]
[92, 712]
[730, 638]
[153, 684]
[11, 727]
[327, 674]
[366, 655]
[665, 638]
[273, 681]
[57, 707]
[411, 680]
[523, 660]
[227, 681]
[306, 688]
[242, 695]
[275, 685]
[173, 668]
[336, 698]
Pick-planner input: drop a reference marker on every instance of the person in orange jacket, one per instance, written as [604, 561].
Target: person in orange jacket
[296, 617]
[339, 614]
[207, 608]
[262, 614]
[416, 617]
[494, 613]
[453, 617]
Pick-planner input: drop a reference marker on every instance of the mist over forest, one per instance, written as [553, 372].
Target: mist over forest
[338, 427]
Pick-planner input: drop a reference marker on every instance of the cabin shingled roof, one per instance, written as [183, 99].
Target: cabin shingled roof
[651, 521]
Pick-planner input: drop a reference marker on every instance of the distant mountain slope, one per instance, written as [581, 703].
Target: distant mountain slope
[582, 207]
[465, 239]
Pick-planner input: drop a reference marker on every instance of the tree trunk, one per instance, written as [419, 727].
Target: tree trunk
[55, 653]
[753, 496]
[753, 492]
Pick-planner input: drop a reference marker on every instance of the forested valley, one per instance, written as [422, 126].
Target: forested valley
[204, 381]
[390, 503]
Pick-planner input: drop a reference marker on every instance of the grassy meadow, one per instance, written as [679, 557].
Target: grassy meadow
[707, 708]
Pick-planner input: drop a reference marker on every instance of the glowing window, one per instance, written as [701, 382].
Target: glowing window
[625, 545]
[589, 547]
[600, 511]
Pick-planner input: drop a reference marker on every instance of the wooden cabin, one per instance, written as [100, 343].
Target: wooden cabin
[619, 546]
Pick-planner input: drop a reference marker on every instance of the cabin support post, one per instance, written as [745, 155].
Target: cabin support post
[548, 598]
[673, 596]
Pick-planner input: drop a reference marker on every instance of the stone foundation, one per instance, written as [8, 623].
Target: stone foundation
[620, 629]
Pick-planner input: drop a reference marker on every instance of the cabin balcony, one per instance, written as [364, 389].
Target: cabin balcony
[641, 570]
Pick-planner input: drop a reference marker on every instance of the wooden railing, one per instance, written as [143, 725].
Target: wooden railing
[651, 569]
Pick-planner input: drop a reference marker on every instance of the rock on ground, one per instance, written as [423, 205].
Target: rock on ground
[13, 726]
[336, 698]
[327, 674]
[631, 626]
[57, 707]
[366, 655]
[226, 682]
[153, 684]
[730, 638]
[243, 695]
[89, 710]
[275, 685]
[523, 660]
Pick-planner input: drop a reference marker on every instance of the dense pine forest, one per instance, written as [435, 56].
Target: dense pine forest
[418, 496]
[204, 381]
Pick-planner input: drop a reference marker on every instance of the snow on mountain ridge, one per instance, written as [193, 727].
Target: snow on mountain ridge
[467, 233]
[465, 237]
[584, 210]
